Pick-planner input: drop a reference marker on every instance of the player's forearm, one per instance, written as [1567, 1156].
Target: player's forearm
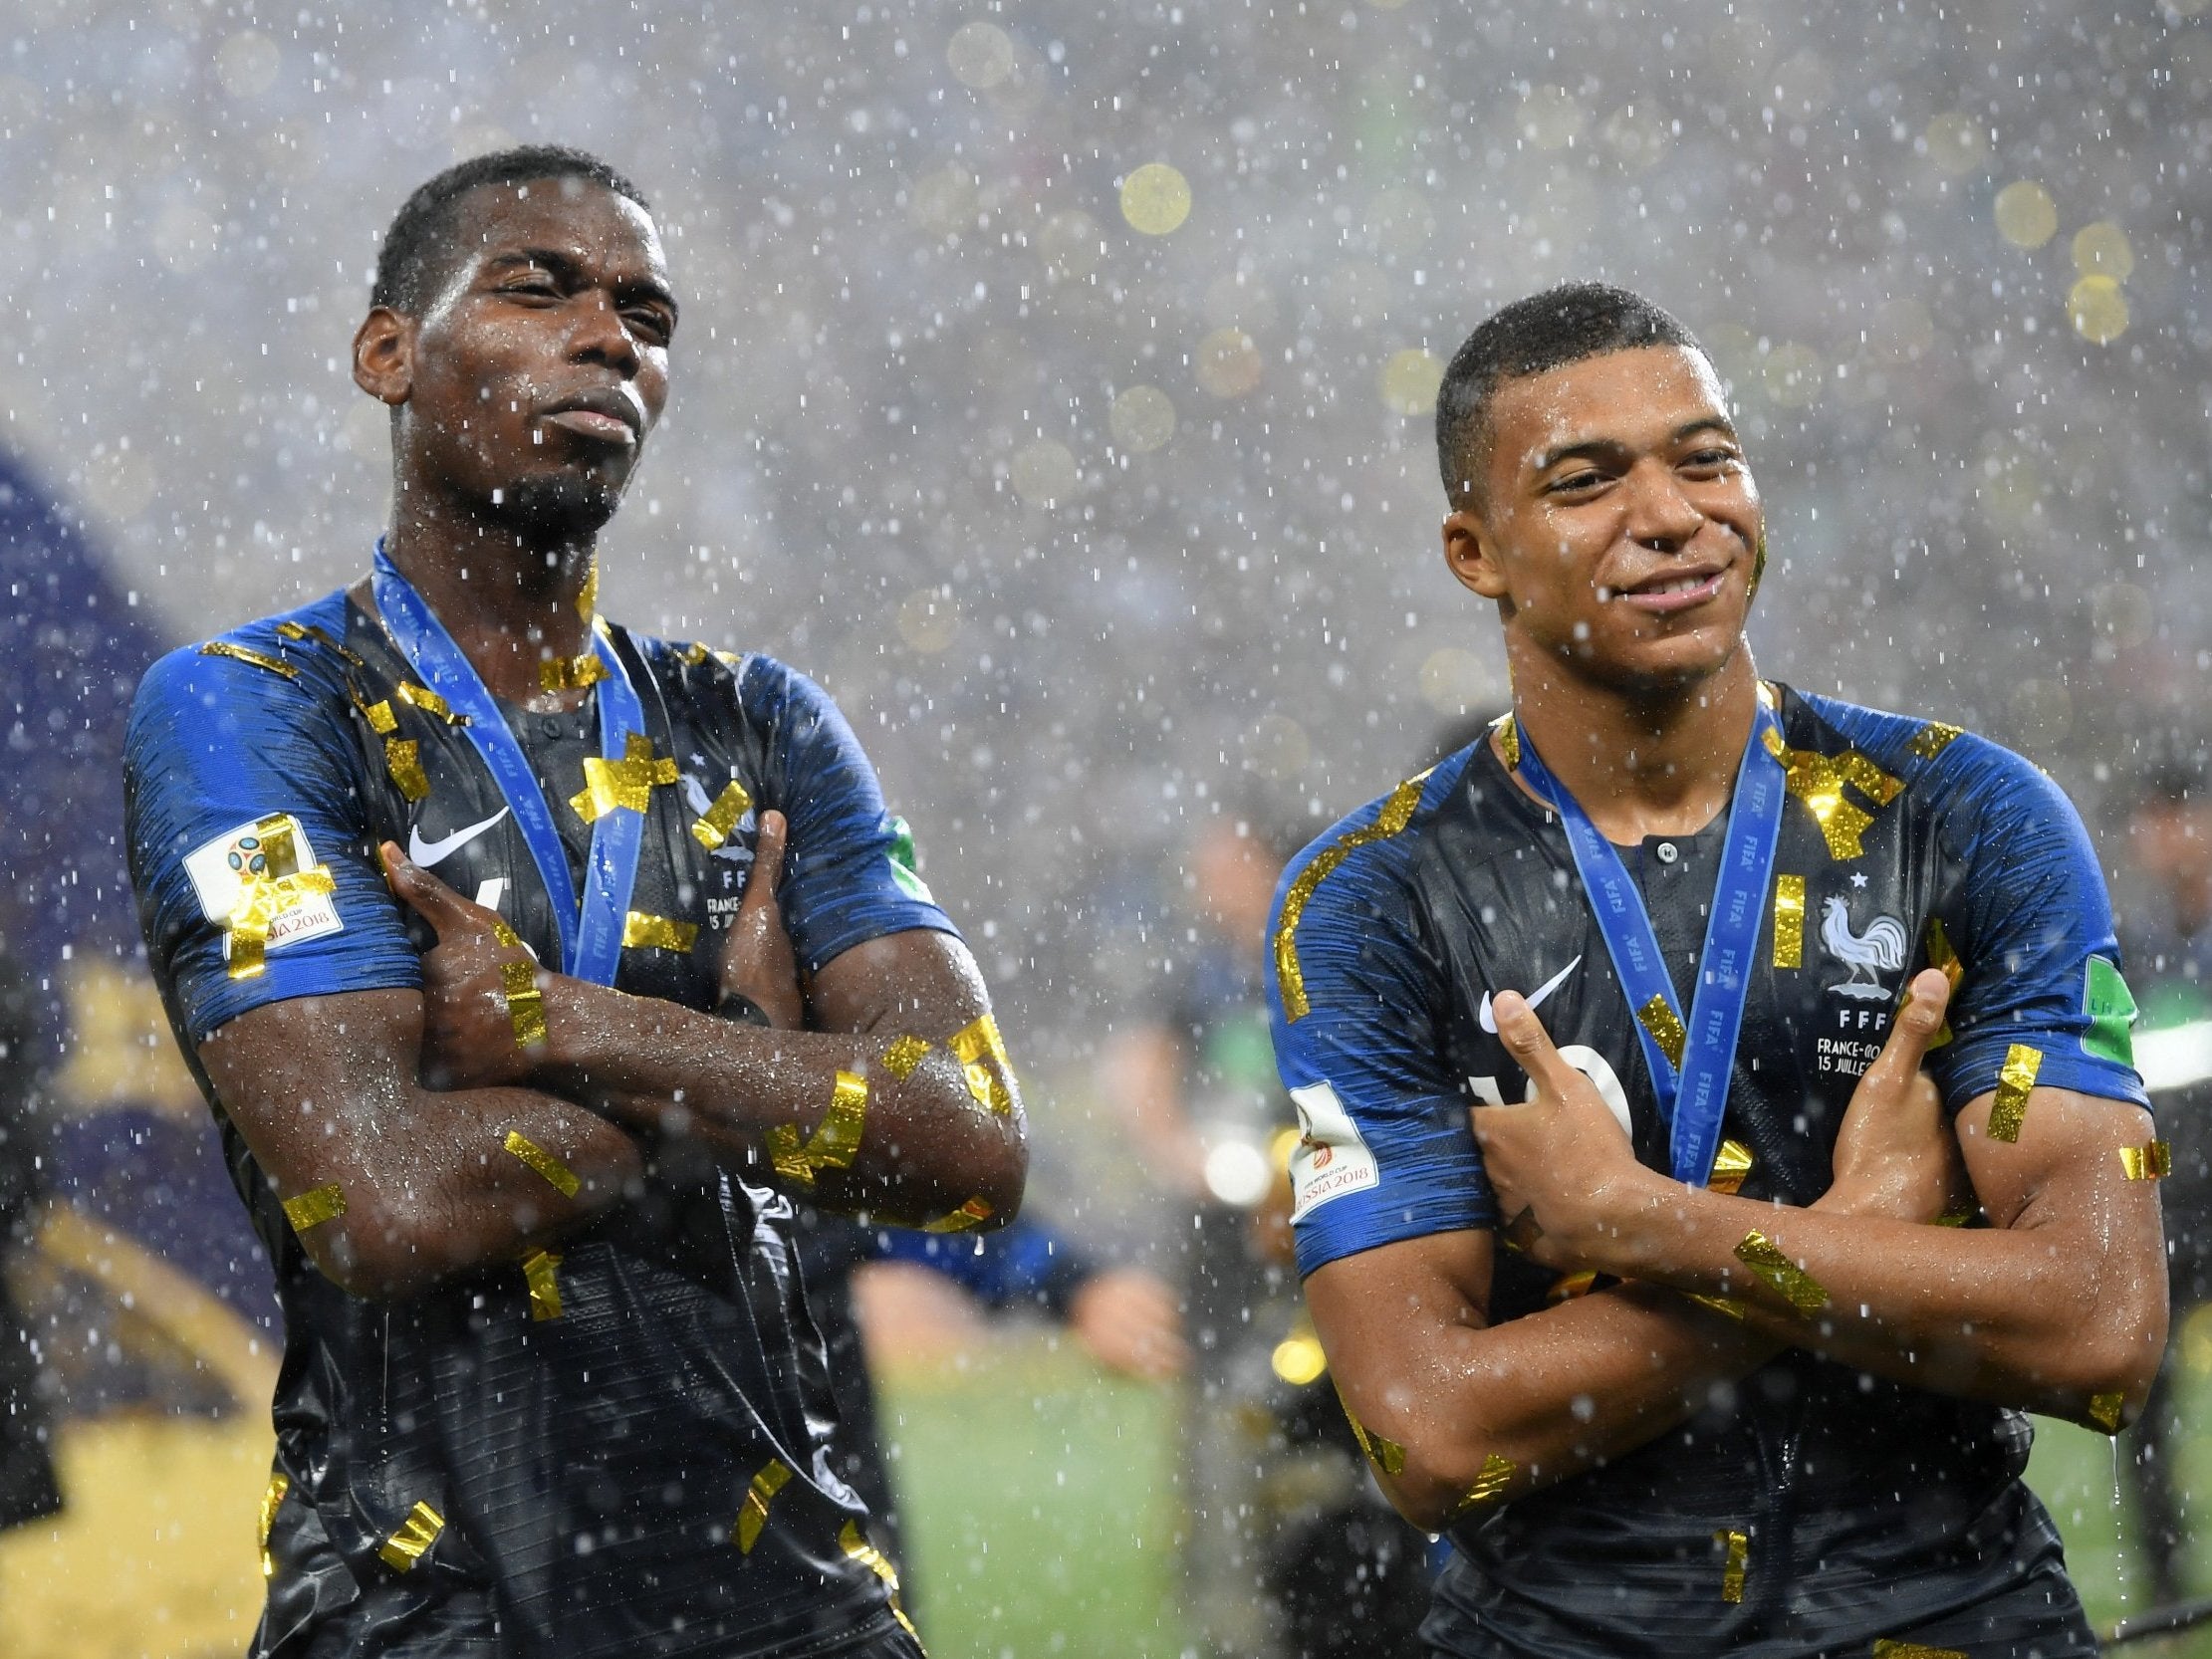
[483, 1178]
[924, 1126]
[1505, 1409]
[2055, 1318]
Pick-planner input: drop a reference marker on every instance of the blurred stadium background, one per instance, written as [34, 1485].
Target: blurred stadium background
[1054, 384]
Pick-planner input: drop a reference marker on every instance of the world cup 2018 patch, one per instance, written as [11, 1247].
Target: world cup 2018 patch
[264, 855]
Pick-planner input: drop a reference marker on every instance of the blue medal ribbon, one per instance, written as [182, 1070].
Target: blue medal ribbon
[1692, 1096]
[590, 932]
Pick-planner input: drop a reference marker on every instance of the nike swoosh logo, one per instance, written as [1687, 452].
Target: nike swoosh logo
[427, 853]
[1489, 1020]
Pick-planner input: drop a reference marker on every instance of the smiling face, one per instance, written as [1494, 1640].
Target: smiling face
[528, 385]
[1617, 524]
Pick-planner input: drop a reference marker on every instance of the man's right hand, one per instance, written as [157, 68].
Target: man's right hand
[1895, 1155]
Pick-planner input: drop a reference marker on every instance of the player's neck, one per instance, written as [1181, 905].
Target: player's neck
[510, 604]
[1640, 761]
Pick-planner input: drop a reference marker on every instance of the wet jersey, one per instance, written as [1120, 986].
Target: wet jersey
[625, 1450]
[1903, 843]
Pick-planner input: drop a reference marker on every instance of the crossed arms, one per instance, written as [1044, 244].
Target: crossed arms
[2059, 1306]
[407, 1100]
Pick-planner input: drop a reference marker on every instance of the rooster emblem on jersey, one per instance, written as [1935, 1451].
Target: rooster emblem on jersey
[1880, 950]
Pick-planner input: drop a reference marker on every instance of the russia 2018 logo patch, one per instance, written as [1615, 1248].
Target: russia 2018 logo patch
[268, 849]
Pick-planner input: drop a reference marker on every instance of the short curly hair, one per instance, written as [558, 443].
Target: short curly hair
[1544, 331]
[419, 248]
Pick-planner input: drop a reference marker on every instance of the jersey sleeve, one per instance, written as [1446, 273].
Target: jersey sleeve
[1022, 1262]
[849, 875]
[240, 789]
[2038, 966]
[1384, 1150]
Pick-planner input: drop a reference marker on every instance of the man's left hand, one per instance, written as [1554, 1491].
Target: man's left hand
[1562, 1168]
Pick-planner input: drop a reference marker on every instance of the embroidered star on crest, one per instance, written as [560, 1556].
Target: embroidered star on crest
[1858, 878]
[627, 782]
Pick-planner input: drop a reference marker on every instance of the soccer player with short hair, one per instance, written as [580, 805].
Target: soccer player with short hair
[1721, 1341]
[497, 1102]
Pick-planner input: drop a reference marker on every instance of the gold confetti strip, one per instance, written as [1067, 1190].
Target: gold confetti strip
[904, 1054]
[293, 631]
[2104, 1410]
[504, 933]
[2014, 1079]
[1387, 1455]
[557, 1174]
[1490, 1485]
[1665, 1026]
[1941, 955]
[315, 1206]
[571, 673]
[526, 1004]
[271, 1501]
[429, 702]
[854, 1543]
[1868, 777]
[981, 1053]
[1797, 1287]
[378, 714]
[1789, 921]
[752, 1516]
[1509, 740]
[1818, 782]
[712, 829]
[694, 655]
[974, 1213]
[1573, 1286]
[627, 782]
[587, 600]
[1738, 1545]
[541, 1270]
[1932, 739]
[1719, 1305]
[834, 1143]
[242, 653]
[657, 933]
[1955, 1217]
[261, 901]
[1731, 1164]
[403, 759]
[1396, 814]
[415, 1535]
[1887, 1649]
[2150, 1162]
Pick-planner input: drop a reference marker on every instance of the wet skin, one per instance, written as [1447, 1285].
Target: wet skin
[1607, 484]
[526, 391]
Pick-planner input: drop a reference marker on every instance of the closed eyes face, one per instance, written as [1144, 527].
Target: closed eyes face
[1619, 524]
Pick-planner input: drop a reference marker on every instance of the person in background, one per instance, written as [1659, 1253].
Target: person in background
[1291, 1552]
[2166, 935]
[27, 1485]
[1124, 1317]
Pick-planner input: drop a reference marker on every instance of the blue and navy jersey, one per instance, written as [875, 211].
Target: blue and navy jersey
[588, 1455]
[1904, 844]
